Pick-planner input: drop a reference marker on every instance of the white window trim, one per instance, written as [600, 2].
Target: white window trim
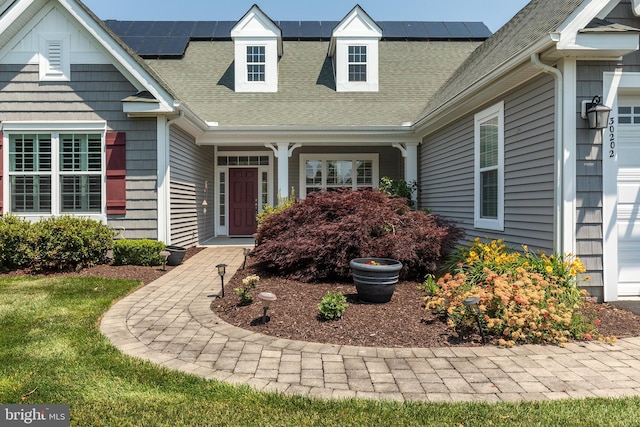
[46, 71]
[496, 224]
[54, 129]
[341, 65]
[270, 83]
[373, 157]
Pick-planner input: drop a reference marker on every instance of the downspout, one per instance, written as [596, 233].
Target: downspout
[558, 223]
[166, 188]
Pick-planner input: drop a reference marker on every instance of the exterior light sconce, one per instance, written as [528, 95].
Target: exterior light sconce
[246, 252]
[204, 206]
[472, 304]
[165, 255]
[595, 113]
[222, 269]
[266, 298]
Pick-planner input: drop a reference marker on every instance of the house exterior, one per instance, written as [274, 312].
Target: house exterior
[182, 131]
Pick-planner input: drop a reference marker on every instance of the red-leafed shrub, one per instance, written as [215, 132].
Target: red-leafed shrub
[316, 238]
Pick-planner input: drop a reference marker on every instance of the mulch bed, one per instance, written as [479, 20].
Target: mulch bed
[402, 322]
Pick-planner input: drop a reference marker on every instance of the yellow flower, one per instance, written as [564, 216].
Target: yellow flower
[548, 268]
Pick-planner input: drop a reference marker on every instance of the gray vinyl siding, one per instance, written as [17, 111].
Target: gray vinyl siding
[390, 161]
[446, 168]
[191, 168]
[94, 93]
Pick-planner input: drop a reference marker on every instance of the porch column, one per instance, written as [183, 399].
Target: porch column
[282, 151]
[410, 153]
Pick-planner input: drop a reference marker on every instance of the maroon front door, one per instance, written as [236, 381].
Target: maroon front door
[243, 201]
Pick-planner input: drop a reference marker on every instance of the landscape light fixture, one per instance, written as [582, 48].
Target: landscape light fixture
[596, 113]
[246, 252]
[165, 255]
[266, 298]
[222, 269]
[472, 304]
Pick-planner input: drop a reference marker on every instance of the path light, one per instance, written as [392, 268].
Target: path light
[246, 252]
[266, 298]
[165, 255]
[222, 268]
[472, 303]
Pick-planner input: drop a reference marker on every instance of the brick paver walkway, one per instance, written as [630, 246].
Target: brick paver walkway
[170, 323]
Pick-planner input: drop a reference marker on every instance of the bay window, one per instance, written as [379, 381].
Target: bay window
[331, 171]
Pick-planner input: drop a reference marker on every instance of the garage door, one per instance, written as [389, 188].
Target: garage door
[628, 218]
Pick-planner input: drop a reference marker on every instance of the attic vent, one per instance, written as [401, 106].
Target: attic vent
[54, 57]
[54, 53]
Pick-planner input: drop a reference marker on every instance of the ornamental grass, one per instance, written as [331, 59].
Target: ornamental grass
[524, 297]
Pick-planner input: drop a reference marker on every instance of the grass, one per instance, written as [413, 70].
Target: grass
[50, 344]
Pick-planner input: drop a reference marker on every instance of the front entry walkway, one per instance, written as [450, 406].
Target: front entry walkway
[170, 323]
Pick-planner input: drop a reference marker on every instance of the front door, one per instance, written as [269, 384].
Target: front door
[243, 201]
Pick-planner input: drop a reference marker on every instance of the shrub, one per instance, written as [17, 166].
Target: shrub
[16, 242]
[524, 298]
[248, 283]
[316, 238]
[137, 252]
[332, 305]
[269, 210]
[70, 243]
[399, 188]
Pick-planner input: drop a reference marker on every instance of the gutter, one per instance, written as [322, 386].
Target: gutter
[558, 223]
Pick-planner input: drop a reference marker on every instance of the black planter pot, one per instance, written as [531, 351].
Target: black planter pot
[177, 255]
[375, 282]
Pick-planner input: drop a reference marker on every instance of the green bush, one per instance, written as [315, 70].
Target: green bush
[268, 210]
[399, 188]
[248, 283]
[16, 248]
[70, 243]
[137, 252]
[332, 305]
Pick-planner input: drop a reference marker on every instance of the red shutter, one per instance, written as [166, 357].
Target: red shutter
[116, 173]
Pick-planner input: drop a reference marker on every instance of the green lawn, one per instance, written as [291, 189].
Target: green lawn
[50, 342]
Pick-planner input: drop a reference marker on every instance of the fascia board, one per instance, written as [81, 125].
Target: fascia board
[247, 135]
[127, 64]
[616, 43]
[580, 18]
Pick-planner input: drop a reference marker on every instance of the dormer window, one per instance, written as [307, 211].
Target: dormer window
[357, 63]
[257, 45]
[354, 49]
[255, 64]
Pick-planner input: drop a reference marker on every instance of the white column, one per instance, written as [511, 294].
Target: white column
[283, 169]
[411, 163]
[162, 188]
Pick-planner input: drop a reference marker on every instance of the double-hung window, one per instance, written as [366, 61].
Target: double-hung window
[52, 173]
[357, 63]
[489, 168]
[255, 63]
[332, 171]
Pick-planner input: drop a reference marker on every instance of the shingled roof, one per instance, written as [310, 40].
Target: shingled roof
[535, 20]
[411, 72]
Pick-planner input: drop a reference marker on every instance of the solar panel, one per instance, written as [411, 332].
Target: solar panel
[223, 29]
[310, 29]
[150, 45]
[393, 29]
[457, 29]
[290, 29]
[183, 28]
[132, 42]
[204, 29]
[414, 29]
[478, 29]
[174, 46]
[327, 27]
[161, 28]
[119, 27]
[437, 29]
[139, 28]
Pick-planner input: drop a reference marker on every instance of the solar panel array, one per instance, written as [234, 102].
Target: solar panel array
[170, 38]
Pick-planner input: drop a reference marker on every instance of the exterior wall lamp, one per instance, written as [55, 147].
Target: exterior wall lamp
[222, 269]
[596, 113]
